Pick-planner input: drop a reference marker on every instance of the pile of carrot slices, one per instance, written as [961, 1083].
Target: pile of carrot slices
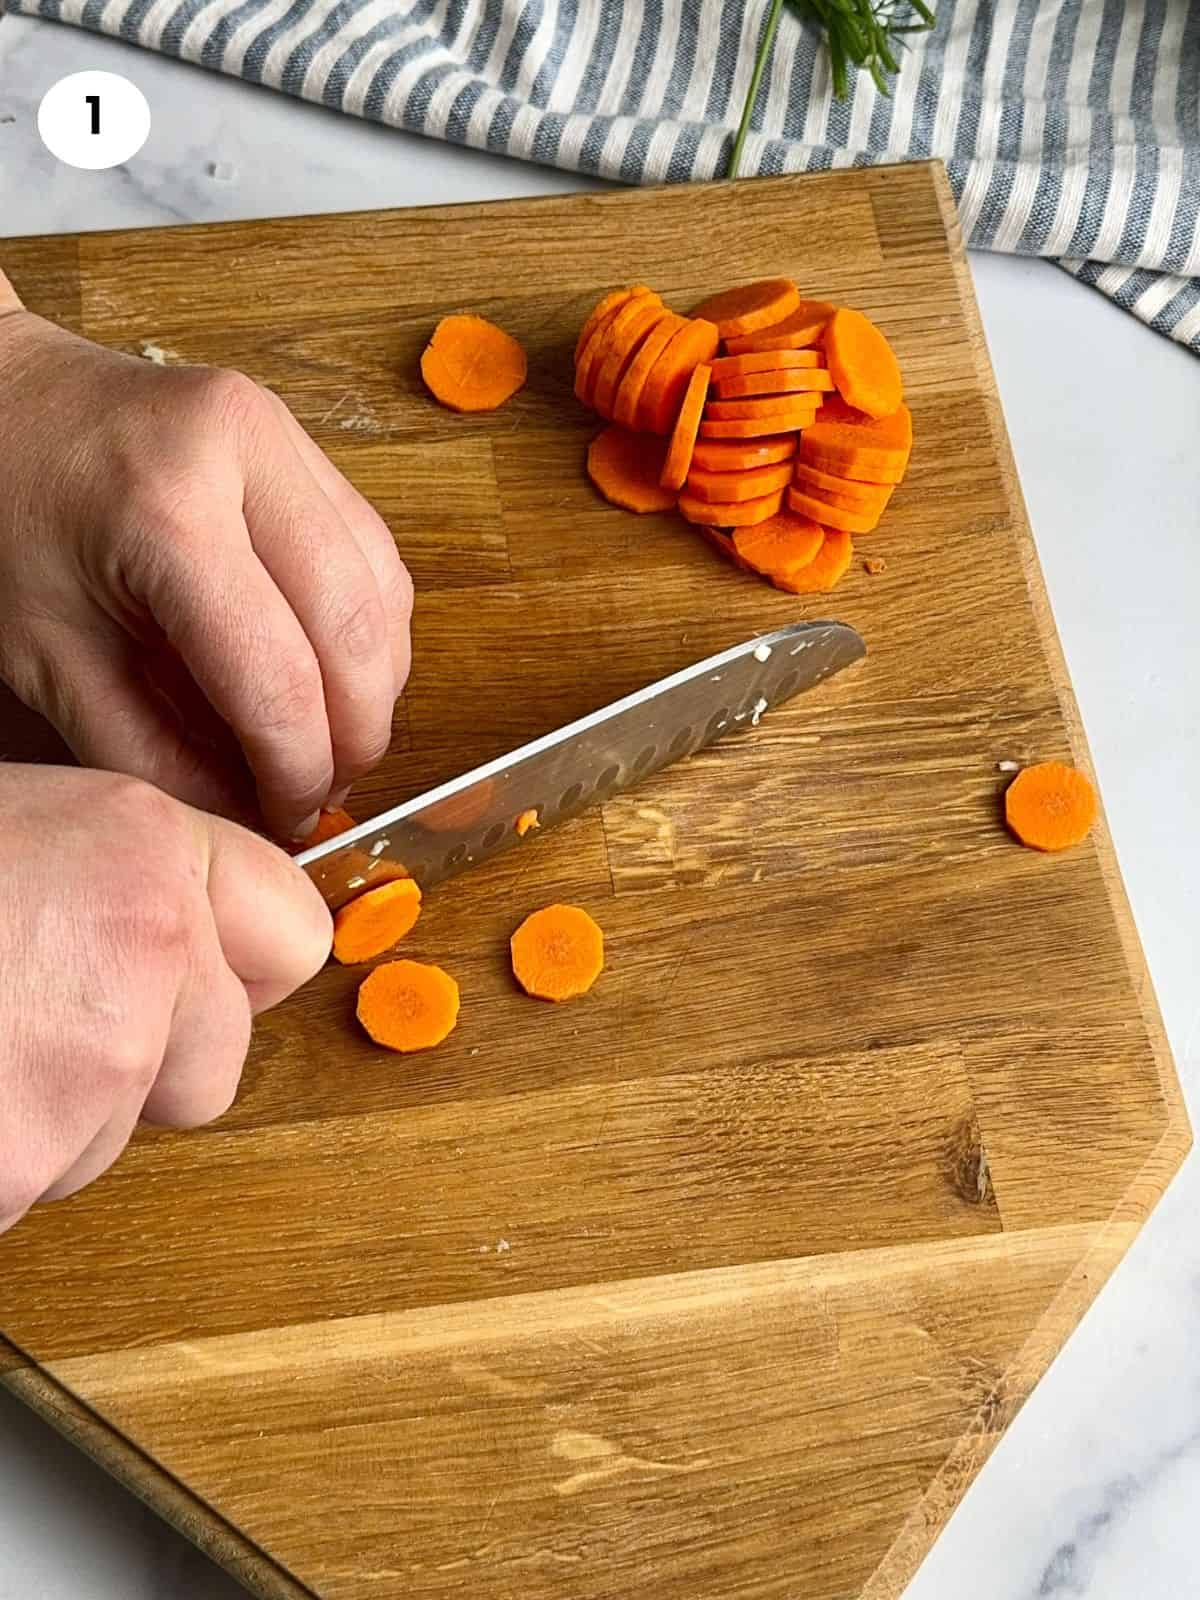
[774, 424]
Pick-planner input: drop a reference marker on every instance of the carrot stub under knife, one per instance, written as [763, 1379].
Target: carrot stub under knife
[626, 468]
[750, 306]
[472, 365]
[329, 824]
[407, 1005]
[687, 426]
[1050, 806]
[375, 921]
[557, 953]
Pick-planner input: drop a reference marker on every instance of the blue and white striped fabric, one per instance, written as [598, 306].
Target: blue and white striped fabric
[1070, 128]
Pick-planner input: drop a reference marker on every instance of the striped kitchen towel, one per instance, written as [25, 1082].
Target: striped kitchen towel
[1069, 128]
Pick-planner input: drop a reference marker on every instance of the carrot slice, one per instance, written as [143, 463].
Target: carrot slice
[629, 390]
[739, 455]
[738, 410]
[780, 545]
[472, 365]
[730, 513]
[375, 921]
[863, 364]
[526, 821]
[790, 420]
[1050, 806]
[764, 361]
[407, 1005]
[839, 490]
[557, 953]
[830, 516]
[609, 334]
[779, 380]
[607, 303]
[694, 345]
[329, 824]
[803, 327]
[877, 498]
[724, 543]
[825, 568]
[687, 425]
[624, 337]
[723, 487]
[750, 306]
[626, 468]
[854, 445]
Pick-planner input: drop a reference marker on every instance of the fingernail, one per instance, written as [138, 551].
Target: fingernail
[306, 827]
[339, 799]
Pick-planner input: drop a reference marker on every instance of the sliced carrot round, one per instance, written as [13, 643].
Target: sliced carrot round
[739, 410]
[862, 505]
[748, 485]
[739, 455]
[589, 357]
[606, 303]
[629, 390]
[557, 953]
[801, 328]
[825, 568]
[830, 516]
[780, 380]
[687, 425]
[790, 420]
[693, 345]
[1050, 806]
[764, 361]
[853, 445]
[849, 489]
[863, 364]
[472, 365]
[782, 544]
[621, 342]
[750, 306]
[626, 468]
[407, 1005]
[730, 514]
[375, 921]
[330, 823]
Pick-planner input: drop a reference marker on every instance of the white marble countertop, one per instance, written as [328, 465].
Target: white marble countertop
[1093, 1493]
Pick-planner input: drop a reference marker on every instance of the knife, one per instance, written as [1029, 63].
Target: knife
[473, 817]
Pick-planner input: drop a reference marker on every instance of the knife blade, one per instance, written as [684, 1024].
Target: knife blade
[473, 817]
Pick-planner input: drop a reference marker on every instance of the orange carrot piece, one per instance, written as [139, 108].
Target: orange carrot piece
[788, 420]
[844, 500]
[862, 363]
[764, 361]
[730, 513]
[407, 1005]
[825, 568]
[626, 468]
[557, 953]
[526, 821]
[621, 343]
[803, 327]
[687, 425]
[740, 455]
[830, 516]
[840, 490]
[629, 390]
[1050, 806]
[472, 365]
[750, 306]
[723, 543]
[724, 487]
[329, 824]
[781, 545]
[587, 368]
[377, 920]
[694, 345]
[607, 303]
[855, 446]
[874, 565]
[739, 410]
[779, 380]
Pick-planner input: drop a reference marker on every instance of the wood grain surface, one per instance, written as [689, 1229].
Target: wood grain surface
[724, 1280]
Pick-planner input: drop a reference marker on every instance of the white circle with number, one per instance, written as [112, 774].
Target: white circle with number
[94, 119]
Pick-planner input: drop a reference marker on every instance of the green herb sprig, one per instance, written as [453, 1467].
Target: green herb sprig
[862, 34]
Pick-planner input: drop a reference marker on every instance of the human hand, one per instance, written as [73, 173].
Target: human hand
[132, 955]
[189, 589]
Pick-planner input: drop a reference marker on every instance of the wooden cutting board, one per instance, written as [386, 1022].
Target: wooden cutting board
[726, 1279]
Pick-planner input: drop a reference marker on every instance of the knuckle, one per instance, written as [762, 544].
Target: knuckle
[125, 1062]
[287, 698]
[229, 397]
[360, 631]
[400, 595]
